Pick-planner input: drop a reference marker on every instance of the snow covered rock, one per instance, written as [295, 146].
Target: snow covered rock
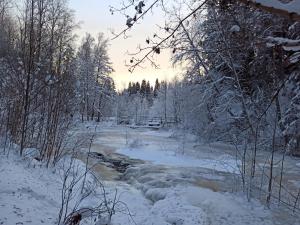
[156, 194]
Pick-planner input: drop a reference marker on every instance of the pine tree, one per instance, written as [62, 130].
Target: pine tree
[134, 88]
[148, 89]
[137, 87]
[130, 90]
[156, 88]
[143, 88]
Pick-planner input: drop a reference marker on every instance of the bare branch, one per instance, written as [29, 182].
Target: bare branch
[157, 46]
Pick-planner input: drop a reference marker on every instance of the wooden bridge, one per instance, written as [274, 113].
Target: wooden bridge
[145, 121]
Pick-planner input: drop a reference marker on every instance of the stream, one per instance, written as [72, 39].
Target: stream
[156, 169]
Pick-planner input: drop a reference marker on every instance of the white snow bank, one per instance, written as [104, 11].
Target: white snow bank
[26, 194]
[156, 194]
[185, 205]
[31, 194]
[225, 208]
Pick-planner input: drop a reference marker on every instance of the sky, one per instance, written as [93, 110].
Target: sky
[94, 17]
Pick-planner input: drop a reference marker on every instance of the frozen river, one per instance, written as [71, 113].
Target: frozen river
[173, 179]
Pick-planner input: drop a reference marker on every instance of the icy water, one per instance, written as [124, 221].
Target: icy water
[159, 154]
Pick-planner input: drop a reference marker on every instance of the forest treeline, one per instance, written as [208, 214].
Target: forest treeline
[144, 88]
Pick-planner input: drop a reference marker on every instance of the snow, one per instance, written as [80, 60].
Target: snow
[235, 28]
[291, 7]
[25, 194]
[287, 44]
[226, 208]
[169, 158]
[159, 134]
[185, 205]
[292, 48]
[174, 209]
[296, 183]
[156, 194]
[283, 41]
[295, 57]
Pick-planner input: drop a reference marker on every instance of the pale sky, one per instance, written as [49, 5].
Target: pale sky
[95, 17]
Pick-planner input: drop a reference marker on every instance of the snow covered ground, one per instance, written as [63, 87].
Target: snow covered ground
[176, 185]
[27, 195]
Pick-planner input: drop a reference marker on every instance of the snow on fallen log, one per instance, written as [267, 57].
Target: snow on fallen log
[291, 48]
[289, 45]
[290, 9]
[286, 43]
[283, 41]
[295, 58]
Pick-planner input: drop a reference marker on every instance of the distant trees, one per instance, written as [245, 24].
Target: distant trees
[139, 99]
[144, 89]
[156, 88]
